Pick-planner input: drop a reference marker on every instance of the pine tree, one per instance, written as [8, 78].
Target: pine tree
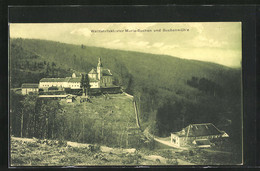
[87, 84]
[84, 84]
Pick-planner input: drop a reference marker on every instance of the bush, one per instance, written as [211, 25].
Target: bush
[167, 154]
[16, 160]
[62, 143]
[94, 148]
[132, 158]
[129, 159]
[172, 162]
[32, 144]
[191, 153]
[150, 144]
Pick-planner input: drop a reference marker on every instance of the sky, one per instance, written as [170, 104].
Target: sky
[217, 42]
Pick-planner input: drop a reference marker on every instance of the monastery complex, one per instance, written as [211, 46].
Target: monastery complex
[98, 78]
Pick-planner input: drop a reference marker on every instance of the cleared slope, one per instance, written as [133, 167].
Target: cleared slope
[104, 120]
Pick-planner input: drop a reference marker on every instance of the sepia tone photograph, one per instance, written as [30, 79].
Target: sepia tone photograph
[125, 94]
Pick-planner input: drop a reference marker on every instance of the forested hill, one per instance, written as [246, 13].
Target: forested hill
[173, 92]
[144, 67]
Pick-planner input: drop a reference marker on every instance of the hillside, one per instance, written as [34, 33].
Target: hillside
[170, 92]
[160, 69]
[104, 120]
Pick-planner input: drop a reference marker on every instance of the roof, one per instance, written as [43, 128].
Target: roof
[76, 79]
[50, 96]
[55, 79]
[92, 80]
[30, 85]
[77, 74]
[106, 72]
[67, 79]
[198, 130]
[93, 71]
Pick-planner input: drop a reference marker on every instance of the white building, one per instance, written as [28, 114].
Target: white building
[196, 133]
[98, 78]
[29, 88]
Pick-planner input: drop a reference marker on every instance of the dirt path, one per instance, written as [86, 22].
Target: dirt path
[168, 143]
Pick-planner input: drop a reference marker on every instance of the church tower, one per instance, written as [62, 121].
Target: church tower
[99, 69]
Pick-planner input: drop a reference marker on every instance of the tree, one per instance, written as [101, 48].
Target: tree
[84, 84]
[15, 112]
[27, 112]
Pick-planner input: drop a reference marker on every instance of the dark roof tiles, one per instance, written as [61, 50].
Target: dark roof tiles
[30, 85]
[198, 130]
[76, 79]
[106, 72]
[55, 79]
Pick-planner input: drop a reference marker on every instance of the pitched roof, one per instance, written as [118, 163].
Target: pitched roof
[106, 72]
[78, 74]
[30, 85]
[198, 130]
[55, 79]
[76, 79]
[93, 71]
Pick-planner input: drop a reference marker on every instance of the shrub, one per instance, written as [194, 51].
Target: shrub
[32, 144]
[62, 143]
[172, 162]
[94, 148]
[16, 160]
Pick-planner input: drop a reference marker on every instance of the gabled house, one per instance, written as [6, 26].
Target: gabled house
[195, 133]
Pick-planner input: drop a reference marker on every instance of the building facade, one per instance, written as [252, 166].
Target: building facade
[29, 88]
[190, 134]
[98, 78]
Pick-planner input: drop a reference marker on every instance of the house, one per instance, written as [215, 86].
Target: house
[196, 134]
[29, 88]
[98, 78]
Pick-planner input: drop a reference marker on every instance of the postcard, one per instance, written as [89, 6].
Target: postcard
[125, 94]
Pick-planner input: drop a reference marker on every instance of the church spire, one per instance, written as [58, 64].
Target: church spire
[99, 69]
[99, 63]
